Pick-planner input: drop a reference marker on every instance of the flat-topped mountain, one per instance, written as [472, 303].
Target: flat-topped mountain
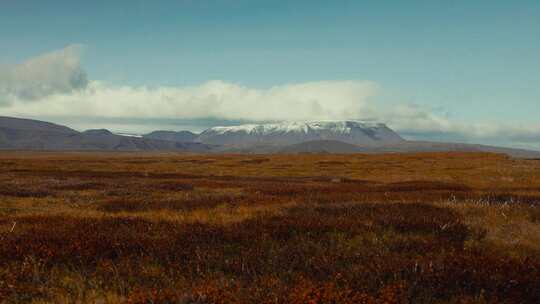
[288, 133]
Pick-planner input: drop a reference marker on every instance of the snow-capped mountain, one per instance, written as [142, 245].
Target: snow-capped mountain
[286, 133]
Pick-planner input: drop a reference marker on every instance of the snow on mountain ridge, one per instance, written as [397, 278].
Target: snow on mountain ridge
[340, 127]
[286, 133]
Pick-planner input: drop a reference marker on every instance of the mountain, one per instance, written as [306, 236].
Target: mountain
[18, 133]
[289, 133]
[402, 147]
[294, 137]
[98, 132]
[21, 124]
[181, 136]
[423, 146]
[27, 134]
[332, 137]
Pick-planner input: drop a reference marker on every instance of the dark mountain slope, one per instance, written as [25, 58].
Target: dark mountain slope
[180, 136]
[404, 147]
[26, 134]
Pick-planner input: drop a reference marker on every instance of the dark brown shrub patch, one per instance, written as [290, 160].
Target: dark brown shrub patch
[174, 186]
[255, 161]
[424, 185]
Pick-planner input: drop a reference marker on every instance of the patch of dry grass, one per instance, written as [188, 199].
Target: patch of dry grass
[511, 225]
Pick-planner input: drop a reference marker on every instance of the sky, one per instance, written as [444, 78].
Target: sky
[466, 71]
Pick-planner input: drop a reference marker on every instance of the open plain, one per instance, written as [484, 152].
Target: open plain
[189, 228]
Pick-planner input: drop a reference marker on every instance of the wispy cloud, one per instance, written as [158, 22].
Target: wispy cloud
[42, 76]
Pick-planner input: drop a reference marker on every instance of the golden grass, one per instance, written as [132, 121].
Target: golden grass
[508, 225]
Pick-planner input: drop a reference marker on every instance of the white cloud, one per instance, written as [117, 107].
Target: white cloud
[54, 85]
[414, 119]
[42, 76]
[313, 100]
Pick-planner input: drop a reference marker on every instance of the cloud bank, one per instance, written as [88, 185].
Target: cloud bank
[314, 100]
[55, 85]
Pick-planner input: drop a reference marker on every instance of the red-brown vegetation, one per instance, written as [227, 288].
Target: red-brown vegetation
[131, 228]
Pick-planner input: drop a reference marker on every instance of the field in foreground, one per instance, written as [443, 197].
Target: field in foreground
[172, 228]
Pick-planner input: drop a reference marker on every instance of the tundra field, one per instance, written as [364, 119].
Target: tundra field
[179, 228]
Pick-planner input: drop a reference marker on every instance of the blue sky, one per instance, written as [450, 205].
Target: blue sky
[466, 62]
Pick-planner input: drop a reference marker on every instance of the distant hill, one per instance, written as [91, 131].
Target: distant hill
[423, 146]
[403, 147]
[180, 136]
[293, 137]
[26, 134]
[97, 132]
[22, 124]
